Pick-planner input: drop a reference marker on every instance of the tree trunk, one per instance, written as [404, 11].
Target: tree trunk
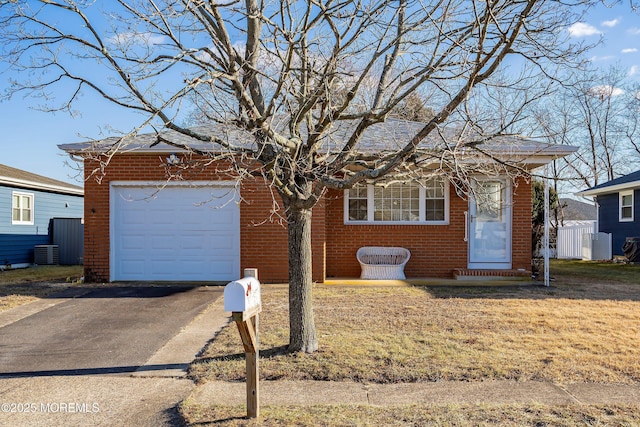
[302, 329]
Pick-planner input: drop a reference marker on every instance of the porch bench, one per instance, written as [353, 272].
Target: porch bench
[380, 263]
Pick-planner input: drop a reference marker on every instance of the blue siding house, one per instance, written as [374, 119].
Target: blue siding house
[28, 204]
[618, 204]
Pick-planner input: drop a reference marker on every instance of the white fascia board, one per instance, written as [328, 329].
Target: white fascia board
[40, 186]
[610, 189]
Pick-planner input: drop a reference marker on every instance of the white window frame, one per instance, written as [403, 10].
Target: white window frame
[422, 206]
[621, 196]
[22, 196]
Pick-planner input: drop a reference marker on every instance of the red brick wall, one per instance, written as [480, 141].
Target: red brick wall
[263, 239]
[263, 235]
[435, 249]
[522, 227]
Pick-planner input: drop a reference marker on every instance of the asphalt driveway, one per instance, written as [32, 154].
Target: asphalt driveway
[111, 330]
[125, 346]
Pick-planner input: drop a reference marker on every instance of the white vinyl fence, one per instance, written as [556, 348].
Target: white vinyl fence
[569, 243]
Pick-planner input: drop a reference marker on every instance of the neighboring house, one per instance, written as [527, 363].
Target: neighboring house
[618, 203]
[140, 226]
[572, 211]
[28, 203]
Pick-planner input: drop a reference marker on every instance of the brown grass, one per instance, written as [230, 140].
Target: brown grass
[566, 333]
[21, 286]
[581, 329]
[432, 415]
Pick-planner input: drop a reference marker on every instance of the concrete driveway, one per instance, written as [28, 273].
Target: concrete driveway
[104, 356]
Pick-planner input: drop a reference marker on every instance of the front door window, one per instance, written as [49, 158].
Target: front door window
[490, 225]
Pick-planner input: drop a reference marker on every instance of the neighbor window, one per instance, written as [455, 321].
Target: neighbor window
[626, 206]
[399, 202]
[22, 208]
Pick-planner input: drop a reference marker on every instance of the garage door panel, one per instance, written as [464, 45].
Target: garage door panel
[164, 267]
[132, 242]
[172, 236]
[222, 243]
[133, 268]
[222, 265]
[193, 217]
[196, 243]
[163, 243]
[134, 217]
[162, 214]
[221, 218]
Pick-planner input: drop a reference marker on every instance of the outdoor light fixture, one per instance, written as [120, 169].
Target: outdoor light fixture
[173, 159]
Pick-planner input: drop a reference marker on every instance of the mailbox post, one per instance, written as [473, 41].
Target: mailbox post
[242, 299]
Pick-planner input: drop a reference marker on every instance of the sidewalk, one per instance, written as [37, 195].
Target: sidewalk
[439, 393]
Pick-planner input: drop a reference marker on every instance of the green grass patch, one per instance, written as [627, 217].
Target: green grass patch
[597, 270]
[41, 273]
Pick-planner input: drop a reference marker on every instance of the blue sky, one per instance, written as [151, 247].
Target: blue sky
[30, 137]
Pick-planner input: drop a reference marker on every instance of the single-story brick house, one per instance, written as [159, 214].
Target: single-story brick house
[207, 226]
[618, 203]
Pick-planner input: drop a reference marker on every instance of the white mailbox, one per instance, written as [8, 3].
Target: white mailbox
[243, 295]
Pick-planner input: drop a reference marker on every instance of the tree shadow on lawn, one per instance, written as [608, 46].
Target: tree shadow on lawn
[267, 353]
[562, 287]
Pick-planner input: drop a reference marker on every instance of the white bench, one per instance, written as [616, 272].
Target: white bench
[379, 263]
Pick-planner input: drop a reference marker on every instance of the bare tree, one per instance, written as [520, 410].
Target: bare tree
[599, 112]
[269, 72]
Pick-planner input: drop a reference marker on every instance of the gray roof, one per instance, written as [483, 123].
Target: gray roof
[18, 178]
[390, 135]
[575, 210]
[626, 182]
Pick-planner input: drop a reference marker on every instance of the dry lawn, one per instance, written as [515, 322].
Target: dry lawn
[433, 415]
[581, 329]
[565, 334]
[21, 286]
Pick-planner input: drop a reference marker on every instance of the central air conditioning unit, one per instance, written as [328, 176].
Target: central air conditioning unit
[45, 255]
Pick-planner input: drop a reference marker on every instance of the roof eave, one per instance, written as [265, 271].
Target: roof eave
[13, 182]
[609, 189]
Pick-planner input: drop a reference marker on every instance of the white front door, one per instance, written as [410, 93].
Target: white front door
[490, 224]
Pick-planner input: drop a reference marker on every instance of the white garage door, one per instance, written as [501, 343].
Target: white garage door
[179, 233]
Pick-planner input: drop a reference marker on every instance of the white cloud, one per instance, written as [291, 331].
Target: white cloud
[633, 70]
[602, 58]
[629, 50]
[633, 31]
[144, 39]
[611, 23]
[605, 91]
[581, 29]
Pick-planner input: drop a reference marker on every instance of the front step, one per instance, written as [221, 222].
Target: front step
[470, 274]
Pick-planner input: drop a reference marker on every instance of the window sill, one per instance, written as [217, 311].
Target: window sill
[396, 223]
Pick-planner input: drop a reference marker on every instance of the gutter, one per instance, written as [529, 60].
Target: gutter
[13, 182]
[609, 189]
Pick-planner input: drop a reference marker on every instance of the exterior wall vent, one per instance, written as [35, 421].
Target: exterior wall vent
[45, 255]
